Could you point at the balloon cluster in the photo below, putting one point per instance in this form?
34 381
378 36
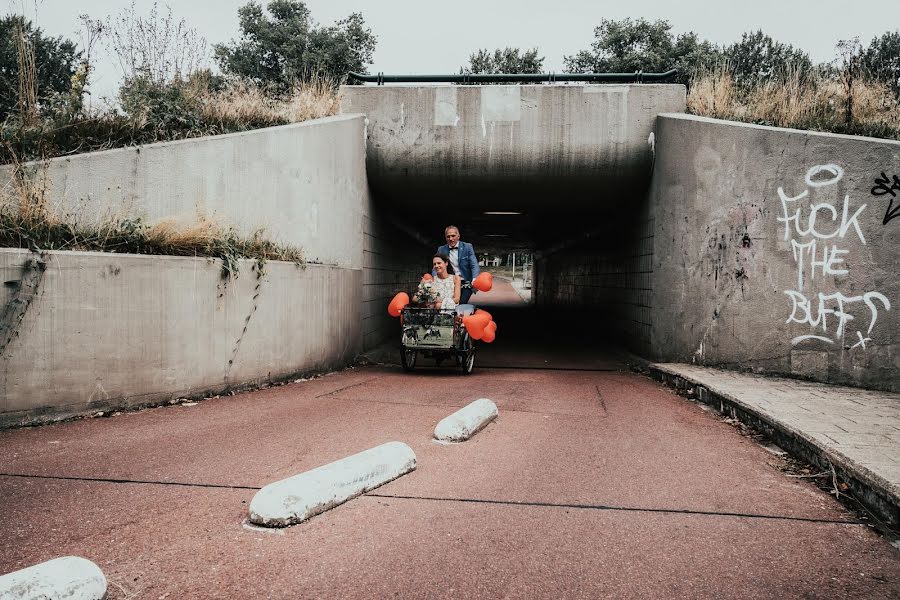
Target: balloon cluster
481 326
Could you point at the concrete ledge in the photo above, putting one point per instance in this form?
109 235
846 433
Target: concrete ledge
295 499
872 490
70 577
466 422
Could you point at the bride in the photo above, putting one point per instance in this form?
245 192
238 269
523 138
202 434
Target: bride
446 283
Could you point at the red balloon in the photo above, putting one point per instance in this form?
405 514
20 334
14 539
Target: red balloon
482 318
481 311
484 282
475 326
398 303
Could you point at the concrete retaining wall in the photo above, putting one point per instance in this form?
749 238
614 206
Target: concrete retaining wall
738 211
303 183
114 330
82 331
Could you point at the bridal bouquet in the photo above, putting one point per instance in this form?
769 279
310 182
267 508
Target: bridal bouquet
425 293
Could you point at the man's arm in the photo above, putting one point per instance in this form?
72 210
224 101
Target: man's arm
473 262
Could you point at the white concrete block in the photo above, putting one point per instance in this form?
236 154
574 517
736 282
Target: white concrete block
69 577
466 422
295 499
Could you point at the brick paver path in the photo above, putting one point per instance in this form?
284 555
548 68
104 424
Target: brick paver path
861 425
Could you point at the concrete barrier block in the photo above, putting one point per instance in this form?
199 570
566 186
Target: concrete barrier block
466 422
296 499
70 577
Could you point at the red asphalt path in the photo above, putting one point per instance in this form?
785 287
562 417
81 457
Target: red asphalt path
592 483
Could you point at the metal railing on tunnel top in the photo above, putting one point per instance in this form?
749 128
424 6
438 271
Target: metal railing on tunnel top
469 78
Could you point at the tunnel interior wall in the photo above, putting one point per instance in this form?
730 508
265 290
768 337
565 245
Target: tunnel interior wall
776 251
394 260
604 279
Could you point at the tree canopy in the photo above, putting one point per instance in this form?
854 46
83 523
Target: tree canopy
639 45
283 44
881 60
506 60
55 60
758 57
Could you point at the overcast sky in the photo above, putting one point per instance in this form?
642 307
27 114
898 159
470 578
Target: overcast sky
423 36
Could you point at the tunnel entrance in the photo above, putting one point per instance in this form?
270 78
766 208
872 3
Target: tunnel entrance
559 172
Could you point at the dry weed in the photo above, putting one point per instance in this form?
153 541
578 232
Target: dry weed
27 222
242 106
713 93
313 99
798 100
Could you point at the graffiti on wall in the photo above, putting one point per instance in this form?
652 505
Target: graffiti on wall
820 233
883 187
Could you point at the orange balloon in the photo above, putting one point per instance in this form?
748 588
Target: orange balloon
482 318
398 303
474 326
427 277
492 327
481 311
488 336
484 282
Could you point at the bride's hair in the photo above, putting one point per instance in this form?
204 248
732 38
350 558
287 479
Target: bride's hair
446 259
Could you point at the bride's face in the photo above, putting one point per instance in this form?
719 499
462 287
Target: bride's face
440 267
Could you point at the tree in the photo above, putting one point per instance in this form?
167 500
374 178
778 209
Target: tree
881 60
286 45
55 60
626 46
757 57
507 60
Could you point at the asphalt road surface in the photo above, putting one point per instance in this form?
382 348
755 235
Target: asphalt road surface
594 482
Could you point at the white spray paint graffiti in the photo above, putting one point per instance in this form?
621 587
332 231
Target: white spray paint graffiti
823 228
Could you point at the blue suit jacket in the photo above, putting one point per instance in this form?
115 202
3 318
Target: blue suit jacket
468 262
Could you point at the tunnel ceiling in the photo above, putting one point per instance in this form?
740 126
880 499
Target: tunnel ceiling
569 158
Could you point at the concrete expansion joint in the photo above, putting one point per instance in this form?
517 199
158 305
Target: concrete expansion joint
466 422
298 498
70 577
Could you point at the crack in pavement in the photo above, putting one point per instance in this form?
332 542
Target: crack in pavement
346 387
604 507
137 481
602 401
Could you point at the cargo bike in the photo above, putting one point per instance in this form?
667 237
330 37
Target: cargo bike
438 334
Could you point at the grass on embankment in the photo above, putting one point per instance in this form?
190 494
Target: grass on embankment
810 101
27 222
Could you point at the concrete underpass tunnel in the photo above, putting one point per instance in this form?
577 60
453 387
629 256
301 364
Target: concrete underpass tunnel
560 171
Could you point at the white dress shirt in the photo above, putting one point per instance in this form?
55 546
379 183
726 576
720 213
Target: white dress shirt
454 258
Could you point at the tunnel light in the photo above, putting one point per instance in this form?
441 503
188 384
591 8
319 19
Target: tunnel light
495 235
501 212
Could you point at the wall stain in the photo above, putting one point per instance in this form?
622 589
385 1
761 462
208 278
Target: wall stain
26 290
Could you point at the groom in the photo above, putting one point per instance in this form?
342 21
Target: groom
462 257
